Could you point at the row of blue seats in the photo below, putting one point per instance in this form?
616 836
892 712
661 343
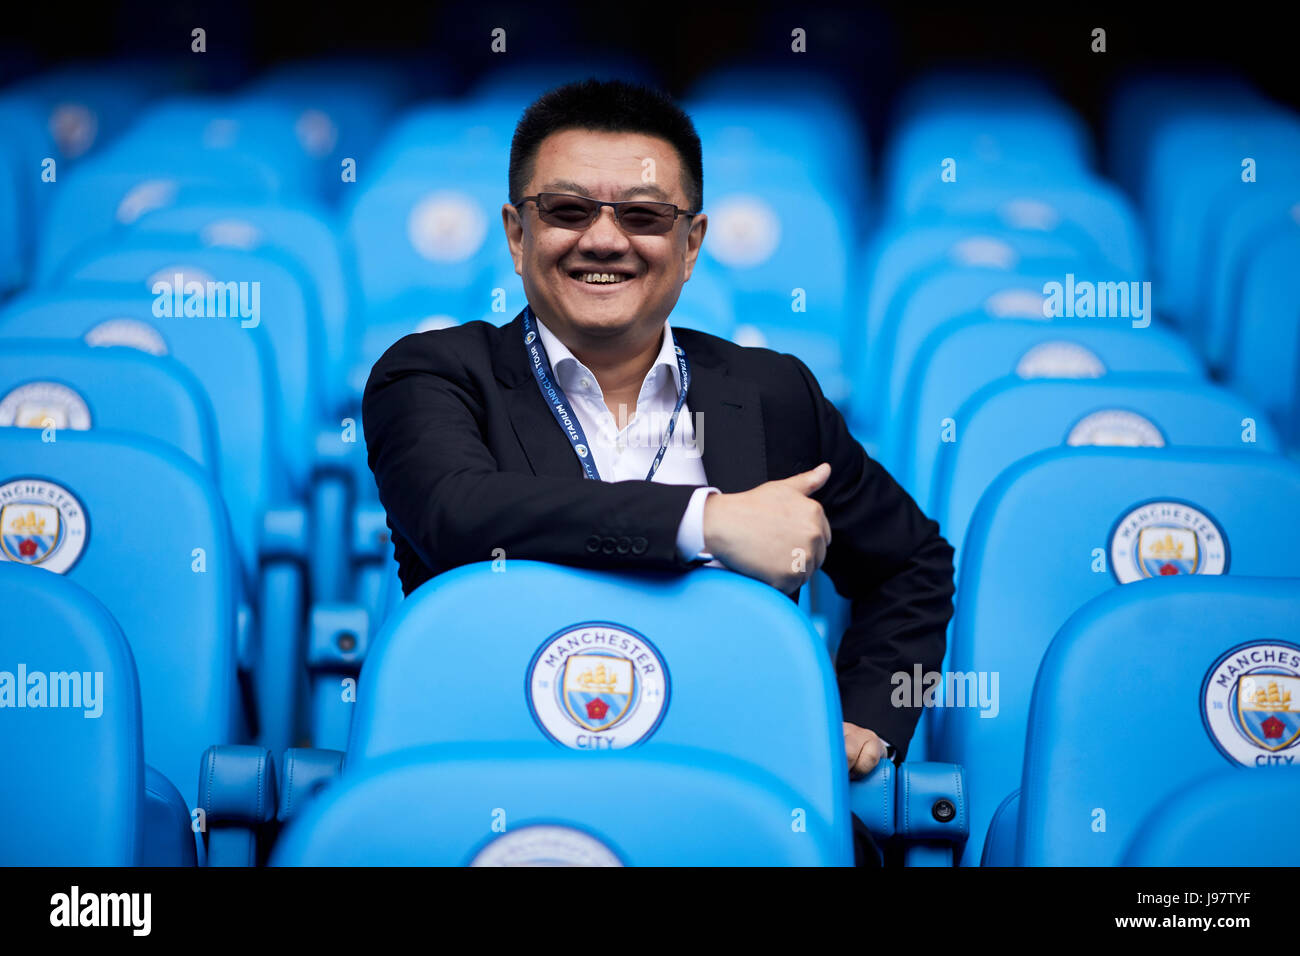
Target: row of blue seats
449 764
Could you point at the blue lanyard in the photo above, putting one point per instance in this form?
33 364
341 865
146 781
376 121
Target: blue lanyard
560 408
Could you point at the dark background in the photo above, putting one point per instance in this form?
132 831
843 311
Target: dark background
871 49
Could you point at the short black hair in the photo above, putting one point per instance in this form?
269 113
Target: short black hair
612 106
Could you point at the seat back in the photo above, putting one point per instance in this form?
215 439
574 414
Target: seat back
1063 526
532 805
74 792
143 529
590 660
1011 419
246 290
1206 667
962 356
58 384
234 366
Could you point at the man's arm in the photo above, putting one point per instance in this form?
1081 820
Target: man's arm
890 561
444 493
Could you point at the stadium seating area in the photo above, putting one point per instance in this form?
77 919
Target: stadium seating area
1081 357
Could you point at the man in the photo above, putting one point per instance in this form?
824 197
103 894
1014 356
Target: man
483 437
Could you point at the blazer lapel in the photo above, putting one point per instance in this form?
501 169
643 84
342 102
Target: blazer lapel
545 445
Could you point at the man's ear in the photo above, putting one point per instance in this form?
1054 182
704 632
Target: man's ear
514 227
694 240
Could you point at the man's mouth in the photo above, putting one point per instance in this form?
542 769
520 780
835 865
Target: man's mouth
591 277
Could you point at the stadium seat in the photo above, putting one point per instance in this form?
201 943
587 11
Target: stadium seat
53 384
141 527
1011 419
1263 360
679 672
1063 526
1208 663
964 355
529 804
1216 822
75 795
299 231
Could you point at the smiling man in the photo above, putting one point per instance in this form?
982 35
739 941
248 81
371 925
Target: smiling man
591 432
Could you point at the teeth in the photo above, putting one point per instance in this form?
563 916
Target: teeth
602 277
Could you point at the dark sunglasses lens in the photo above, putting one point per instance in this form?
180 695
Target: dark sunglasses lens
569 212
647 219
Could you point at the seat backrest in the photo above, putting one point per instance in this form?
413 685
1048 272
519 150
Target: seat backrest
1204 667
532 805
234 366
143 529
1264 351
1011 419
1216 822
962 356
590 660
299 230
1063 526
70 747
58 384
248 290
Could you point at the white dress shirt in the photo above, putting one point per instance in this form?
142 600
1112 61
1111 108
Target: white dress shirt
625 448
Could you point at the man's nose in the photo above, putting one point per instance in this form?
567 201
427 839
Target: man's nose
605 234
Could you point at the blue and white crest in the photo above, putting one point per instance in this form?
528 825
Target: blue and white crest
597 686
41 524
1250 703
1165 539
546 844
44 405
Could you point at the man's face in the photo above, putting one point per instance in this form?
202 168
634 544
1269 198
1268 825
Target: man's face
553 260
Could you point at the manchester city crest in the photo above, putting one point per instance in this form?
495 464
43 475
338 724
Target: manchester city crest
1166 538
1116 427
1250 703
598 686
131 333
44 405
546 845
1060 359
41 523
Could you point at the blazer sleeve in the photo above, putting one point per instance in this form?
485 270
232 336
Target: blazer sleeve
447 496
889 560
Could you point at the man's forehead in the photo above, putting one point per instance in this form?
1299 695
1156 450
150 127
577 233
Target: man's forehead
603 164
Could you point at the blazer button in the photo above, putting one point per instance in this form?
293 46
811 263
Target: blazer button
608 545
593 543
624 545
639 545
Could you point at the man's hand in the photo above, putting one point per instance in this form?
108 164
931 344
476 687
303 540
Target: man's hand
863 748
775 532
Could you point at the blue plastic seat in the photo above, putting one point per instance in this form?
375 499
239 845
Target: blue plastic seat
301 232
1011 419
1063 526
531 805
75 793
142 528
1202 662
56 384
962 356
1263 358
1242 226
1197 161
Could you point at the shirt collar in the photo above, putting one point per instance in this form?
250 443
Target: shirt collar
561 358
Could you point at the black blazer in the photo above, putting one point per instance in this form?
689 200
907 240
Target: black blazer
468 458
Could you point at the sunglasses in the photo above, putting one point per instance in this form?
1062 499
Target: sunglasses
636 217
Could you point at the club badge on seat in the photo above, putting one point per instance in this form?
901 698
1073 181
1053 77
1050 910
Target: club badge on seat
41 523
